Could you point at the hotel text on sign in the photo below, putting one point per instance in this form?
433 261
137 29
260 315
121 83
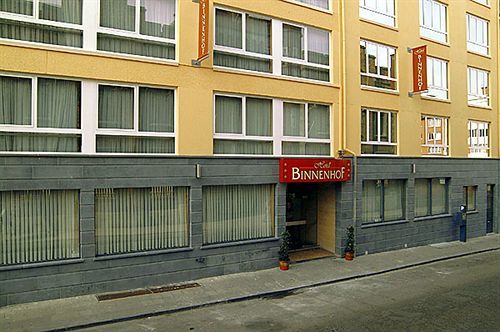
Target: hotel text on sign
314 170
203 30
419 68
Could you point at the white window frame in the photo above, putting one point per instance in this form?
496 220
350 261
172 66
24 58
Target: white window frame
478 139
378 75
430 144
379 142
483 2
136 33
435 67
134 132
33 127
426 27
305 4
473 44
476 94
385 16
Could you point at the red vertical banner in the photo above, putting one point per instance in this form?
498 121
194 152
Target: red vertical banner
203 29
419 68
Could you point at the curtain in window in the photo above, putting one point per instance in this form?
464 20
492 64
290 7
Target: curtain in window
362 56
157 18
38 226
118 14
134 144
439 193
363 125
294 119
371 201
222 146
393 200
228 30
303 71
384 127
258 35
116 107
69 11
140 47
237 212
319 121
130 220
24 7
293 43
305 148
228 117
373 130
30 142
58 103
242 62
259 117
156 110
15 101
318 46
394 127
316 3
421 197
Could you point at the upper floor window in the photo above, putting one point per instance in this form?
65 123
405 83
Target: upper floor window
478 87
484 2
380 11
478 140
39 115
138 27
477 35
433 20
378 65
434 135
437 78
378 132
42 21
323 4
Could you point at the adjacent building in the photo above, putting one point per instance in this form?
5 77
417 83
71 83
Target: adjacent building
127 161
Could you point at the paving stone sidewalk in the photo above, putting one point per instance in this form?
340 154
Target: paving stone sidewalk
86 311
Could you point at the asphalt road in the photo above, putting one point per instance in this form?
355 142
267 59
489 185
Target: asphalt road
456 295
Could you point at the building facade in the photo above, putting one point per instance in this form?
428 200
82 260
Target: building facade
126 162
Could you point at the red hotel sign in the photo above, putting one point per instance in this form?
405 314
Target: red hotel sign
419 68
314 170
203 29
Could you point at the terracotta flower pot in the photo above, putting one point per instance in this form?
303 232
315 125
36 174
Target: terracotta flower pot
349 256
284 265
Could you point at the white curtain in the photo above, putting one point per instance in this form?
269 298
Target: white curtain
15 101
319 121
318 46
259 117
130 220
371 201
38 226
156 110
157 18
294 119
237 212
317 3
228 115
393 200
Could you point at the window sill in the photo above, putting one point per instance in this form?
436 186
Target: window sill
447 101
481 107
41 264
487 56
141 253
382 25
237 243
437 216
374 89
383 223
435 41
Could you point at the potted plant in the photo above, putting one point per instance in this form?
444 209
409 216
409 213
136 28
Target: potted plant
284 249
349 244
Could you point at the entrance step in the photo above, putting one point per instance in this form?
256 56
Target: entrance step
308 255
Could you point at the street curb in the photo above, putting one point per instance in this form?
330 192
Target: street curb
274 293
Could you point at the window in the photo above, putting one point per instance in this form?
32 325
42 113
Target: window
478 139
237 213
383 200
306 52
39 226
380 11
378 65
39 115
469 198
243 125
141 219
242 41
306 129
431 197
484 2
433 20
139 27
478 87
135 120
434 135
477 35
42 21
378 132
323 4
437 78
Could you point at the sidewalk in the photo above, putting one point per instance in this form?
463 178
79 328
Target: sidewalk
85 311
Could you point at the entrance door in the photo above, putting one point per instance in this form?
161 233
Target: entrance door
489 208
301 215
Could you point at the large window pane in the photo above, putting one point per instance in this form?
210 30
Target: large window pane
439 198
228 29
259 117
157 18
156 110
293 41
141 219
372 201
228 115
318 46
118 14
258 35
116 107
293 119
237 212
58 103
393 200
24 7
319 121
38 226
15 101
68 11
421 197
